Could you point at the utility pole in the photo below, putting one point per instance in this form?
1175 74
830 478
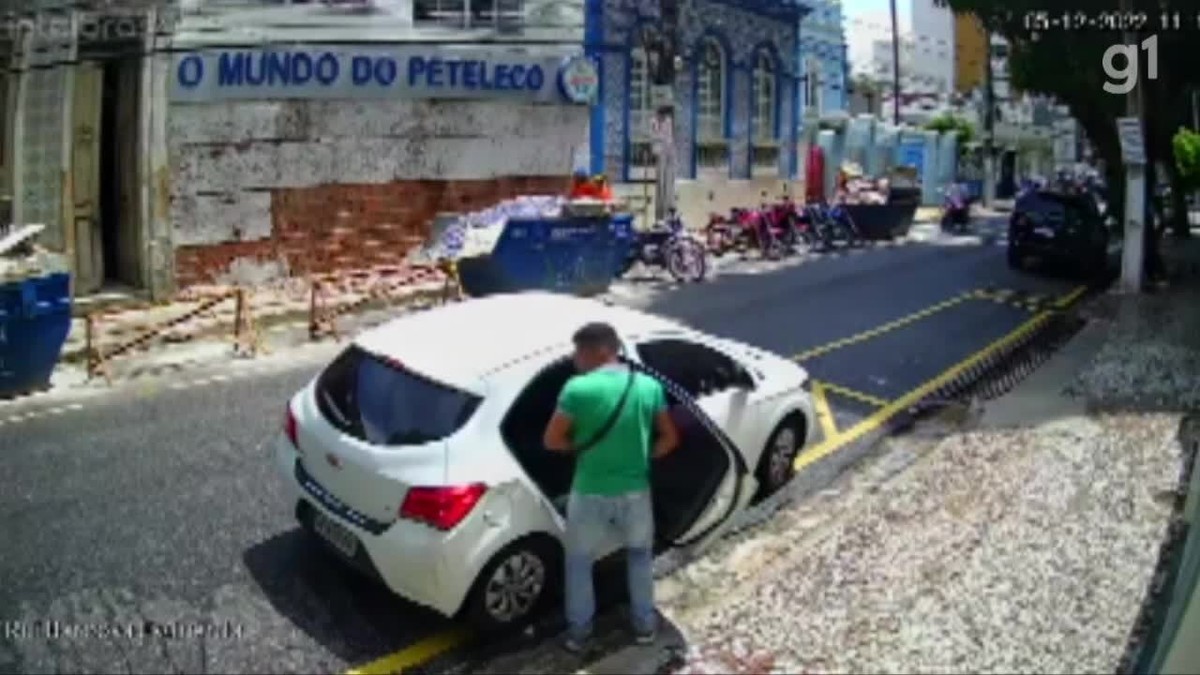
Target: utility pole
1132 134
665 57
989 125
895 66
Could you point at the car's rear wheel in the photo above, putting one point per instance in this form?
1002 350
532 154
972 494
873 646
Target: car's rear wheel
777 465
515 585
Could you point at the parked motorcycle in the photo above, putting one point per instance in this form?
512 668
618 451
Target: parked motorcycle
768 230
721 234
956 209
668 245
793 231
831 225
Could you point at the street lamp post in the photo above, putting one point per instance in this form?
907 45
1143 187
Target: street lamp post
664 57
989 127
895 66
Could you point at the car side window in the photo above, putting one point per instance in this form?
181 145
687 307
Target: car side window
699 369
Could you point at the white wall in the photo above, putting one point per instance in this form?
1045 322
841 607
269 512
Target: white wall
227 157
920 71
933 28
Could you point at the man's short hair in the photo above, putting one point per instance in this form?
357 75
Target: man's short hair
597 335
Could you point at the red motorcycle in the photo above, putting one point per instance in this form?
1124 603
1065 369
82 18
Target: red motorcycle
745 229
721 234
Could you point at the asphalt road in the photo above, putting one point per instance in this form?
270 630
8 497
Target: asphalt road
148 528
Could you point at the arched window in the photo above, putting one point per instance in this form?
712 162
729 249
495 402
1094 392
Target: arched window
812 88
641 107
764 98
711 145
764 149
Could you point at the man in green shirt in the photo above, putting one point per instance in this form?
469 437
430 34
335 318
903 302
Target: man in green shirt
608 415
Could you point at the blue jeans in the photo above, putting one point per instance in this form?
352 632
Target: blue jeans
591 520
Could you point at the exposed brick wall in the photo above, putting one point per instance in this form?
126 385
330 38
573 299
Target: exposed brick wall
330 227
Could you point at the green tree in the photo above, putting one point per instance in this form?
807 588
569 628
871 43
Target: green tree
1068 66
1187 158
949 122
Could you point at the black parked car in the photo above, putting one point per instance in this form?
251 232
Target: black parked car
1061 229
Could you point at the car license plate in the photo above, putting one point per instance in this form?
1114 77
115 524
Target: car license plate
339 537
1044 232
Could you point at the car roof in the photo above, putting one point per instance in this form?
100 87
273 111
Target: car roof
461 343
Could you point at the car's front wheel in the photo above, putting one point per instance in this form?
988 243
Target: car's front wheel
515 585
777 465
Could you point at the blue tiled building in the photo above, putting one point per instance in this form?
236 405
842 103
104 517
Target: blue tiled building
737 96
823 59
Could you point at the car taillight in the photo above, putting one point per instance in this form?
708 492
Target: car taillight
441 507
289 428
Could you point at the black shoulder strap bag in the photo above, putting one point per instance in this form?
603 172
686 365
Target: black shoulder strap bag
612 418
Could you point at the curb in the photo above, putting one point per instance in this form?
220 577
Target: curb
295 317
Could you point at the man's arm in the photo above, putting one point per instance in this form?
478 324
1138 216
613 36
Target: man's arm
667 436
557 436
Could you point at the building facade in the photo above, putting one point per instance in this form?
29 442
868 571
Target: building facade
933 30
824 59
736 97
920 73
970 53
163 152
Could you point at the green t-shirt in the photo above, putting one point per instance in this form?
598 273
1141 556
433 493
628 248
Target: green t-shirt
619 462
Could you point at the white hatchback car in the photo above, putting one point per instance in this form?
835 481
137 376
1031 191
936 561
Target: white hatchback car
417 454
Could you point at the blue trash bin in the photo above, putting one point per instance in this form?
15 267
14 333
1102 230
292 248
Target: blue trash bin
574 255
35 317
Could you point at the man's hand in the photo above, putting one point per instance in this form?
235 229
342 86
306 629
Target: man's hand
668 437
557 436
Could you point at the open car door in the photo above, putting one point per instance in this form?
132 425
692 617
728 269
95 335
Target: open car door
704 483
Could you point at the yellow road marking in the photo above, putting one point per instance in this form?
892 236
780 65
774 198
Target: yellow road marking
414 654
854 394
1070 298
824 412
1031 302
880 417
884 328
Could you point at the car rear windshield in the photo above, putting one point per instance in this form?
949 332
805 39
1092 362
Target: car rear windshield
384 403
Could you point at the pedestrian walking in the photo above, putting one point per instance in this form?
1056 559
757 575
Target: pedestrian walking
614 420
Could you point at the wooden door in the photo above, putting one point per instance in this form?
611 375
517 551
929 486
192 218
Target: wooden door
86 236
128 228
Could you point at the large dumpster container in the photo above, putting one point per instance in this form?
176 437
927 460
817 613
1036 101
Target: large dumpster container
571 254
881 222
35 317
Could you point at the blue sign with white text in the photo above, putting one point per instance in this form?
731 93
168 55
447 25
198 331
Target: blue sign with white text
409 71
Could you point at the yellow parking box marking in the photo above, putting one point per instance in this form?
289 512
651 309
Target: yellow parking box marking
1030 302
415 654
880 417
824 412
859 396
1070 298
884 328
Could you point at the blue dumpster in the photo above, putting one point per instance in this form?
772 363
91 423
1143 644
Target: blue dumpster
35 317
574 255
